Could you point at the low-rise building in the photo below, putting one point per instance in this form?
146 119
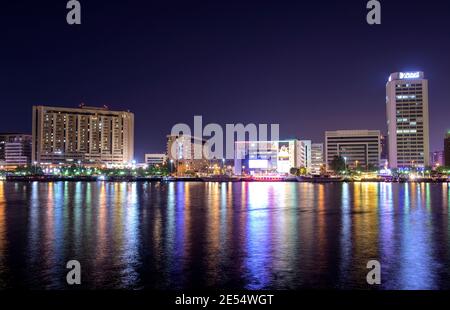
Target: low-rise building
317 158
271 157
155 159
15 149
359 148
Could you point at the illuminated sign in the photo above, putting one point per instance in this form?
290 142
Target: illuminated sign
409 75
283 151
258 164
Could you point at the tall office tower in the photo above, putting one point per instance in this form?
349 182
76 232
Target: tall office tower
359 148
317 160
88 135
447 150
15 149
407 120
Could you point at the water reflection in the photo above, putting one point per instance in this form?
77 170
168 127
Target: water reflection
415 254
258 232
228 235
3 240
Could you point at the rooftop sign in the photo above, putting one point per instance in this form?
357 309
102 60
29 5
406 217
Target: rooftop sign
409 75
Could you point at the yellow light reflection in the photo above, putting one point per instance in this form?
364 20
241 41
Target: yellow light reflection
2 224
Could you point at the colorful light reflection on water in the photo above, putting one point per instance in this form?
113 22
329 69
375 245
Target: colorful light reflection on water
224 235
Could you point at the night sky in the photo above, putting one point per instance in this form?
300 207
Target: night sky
309 65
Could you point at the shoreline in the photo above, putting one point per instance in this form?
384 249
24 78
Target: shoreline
48 179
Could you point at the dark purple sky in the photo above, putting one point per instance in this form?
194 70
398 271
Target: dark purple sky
309 66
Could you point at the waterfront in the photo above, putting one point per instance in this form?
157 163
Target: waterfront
256 235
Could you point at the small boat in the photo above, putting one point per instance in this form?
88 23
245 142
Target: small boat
267 178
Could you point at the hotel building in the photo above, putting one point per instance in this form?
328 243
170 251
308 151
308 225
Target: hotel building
407 120
359 148
87 135
317 160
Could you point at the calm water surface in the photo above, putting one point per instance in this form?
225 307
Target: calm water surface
224 235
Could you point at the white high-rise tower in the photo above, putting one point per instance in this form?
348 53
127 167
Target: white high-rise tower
407 120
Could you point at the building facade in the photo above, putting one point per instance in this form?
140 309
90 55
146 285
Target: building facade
317 158
359 148
155 159
384 158
5 138
407 120
15 149
87 135
271 157
304 154
447 150
187 154
437 158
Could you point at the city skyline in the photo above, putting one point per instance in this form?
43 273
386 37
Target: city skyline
72 113
239 152
172 63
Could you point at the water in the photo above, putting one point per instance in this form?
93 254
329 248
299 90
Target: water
224 235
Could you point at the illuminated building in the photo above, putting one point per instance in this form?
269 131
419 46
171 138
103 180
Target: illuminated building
359 148
437 158
304 154
87 135
317 160
15 149
447 150
5 138
182 157
271 157
155 159
407 120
